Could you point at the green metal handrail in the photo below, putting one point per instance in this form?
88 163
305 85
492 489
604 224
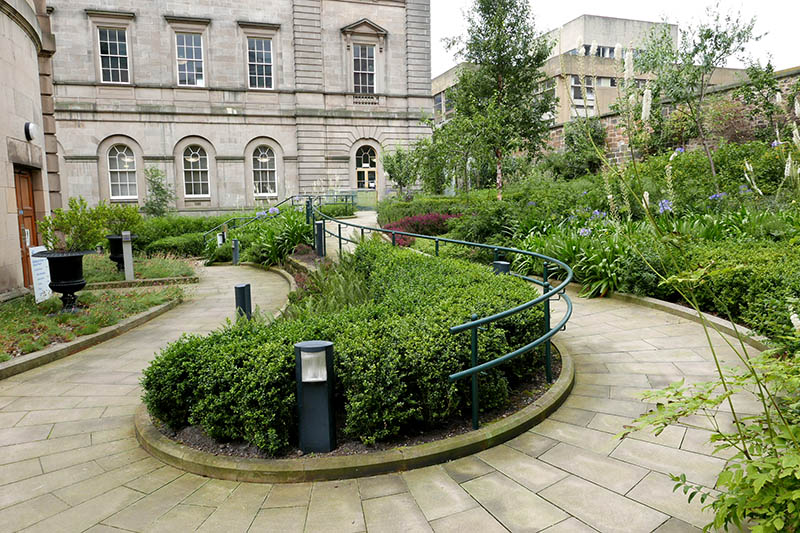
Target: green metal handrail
475 323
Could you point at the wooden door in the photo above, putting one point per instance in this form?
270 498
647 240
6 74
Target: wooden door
26 213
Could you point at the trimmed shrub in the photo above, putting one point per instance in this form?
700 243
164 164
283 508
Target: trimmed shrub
338 210
393 353
392 210
428 224
186 245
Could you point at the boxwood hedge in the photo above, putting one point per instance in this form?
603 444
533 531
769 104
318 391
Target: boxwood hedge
393 355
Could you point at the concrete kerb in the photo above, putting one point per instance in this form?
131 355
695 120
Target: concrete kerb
312 468
48 355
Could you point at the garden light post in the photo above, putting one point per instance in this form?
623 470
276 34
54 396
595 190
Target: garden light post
315 382
501 267
319 237
235 252
244 306
127 255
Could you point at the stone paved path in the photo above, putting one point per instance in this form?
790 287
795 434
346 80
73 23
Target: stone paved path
69 460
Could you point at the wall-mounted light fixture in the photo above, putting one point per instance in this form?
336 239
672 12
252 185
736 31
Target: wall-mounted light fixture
31 131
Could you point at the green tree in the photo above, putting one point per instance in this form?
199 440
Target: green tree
498 96
159 195
759 94
683 72
402 167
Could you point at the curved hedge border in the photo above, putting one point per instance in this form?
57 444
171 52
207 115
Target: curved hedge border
352 466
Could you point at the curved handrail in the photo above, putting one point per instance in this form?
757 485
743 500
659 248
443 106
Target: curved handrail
474 324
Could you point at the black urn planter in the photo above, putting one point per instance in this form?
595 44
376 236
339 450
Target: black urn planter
66 275
115 250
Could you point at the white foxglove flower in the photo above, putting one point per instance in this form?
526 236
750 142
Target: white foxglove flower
778 99
796 136
610 197
629 65
646 200
579 46
797 106
632 100
795 321
593 48
789 164
647 102
618 52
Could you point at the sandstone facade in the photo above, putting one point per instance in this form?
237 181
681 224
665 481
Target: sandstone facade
24 43
308 120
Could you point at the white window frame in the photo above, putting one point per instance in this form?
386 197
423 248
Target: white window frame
112 20
256 168
373 167
271 64
374 72
129 172
207 171
124 30
202 59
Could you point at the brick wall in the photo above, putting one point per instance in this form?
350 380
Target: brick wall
616 140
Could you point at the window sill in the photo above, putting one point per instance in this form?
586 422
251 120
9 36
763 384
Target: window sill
129 200
197 198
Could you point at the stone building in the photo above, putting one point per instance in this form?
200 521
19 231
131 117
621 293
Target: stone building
240 102
27 141
567 72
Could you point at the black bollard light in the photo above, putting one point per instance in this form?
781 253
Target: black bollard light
319 237
501 267
244 306
315 381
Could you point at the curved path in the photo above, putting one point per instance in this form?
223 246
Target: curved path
69 460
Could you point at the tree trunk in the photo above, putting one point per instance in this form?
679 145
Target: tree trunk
499 156
707 150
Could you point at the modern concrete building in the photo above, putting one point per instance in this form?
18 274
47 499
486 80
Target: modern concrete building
565 68
240 102
26 136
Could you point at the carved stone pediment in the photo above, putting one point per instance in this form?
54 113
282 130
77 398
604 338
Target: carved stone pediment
364 27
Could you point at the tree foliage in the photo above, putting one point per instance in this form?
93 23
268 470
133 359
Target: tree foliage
497 99
683 72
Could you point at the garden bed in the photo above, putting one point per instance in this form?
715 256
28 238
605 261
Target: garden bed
520 398
100 269
26 327
387 311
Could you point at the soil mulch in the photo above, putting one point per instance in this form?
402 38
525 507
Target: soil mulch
521 397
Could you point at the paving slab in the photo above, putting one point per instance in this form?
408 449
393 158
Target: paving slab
283 519
436 492
698 468
601 508
336 507
600 469
517 508
398 513
475 519
531 473
378 486
655 491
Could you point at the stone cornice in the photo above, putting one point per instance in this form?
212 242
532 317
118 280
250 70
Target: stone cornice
258 25
177 19
129 15
22 14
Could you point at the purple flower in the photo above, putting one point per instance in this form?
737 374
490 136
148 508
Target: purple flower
718 196
680 149
598 214
584 193
274 211
664 206
775 144
585 232
261 214
531 203
744 189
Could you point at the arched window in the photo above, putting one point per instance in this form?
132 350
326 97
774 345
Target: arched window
366 167
195 171
122 173
265 179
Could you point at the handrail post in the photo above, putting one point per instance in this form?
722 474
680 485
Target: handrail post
362 233
496 254
548 357
437 247
394 239
309 210
340 239
474 360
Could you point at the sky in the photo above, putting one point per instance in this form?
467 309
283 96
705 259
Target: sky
779 21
